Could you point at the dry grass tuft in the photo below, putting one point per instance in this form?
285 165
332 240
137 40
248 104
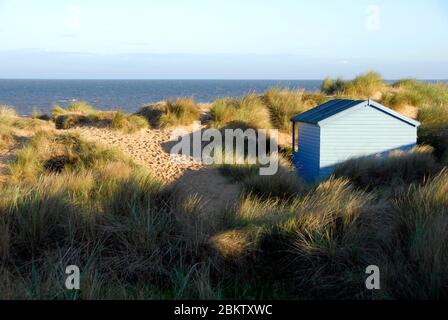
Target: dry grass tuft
182 112
283 104
6 137
234 244
128 124
49 152
77 114
249 110
367 85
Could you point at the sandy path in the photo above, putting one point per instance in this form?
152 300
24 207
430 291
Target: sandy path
214 190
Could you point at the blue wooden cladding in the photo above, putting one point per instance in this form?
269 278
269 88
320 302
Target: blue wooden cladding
341 129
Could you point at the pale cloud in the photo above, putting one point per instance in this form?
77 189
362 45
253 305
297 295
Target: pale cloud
73 18
373 21
69 35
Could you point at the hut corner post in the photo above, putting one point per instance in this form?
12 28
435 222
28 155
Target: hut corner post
294 151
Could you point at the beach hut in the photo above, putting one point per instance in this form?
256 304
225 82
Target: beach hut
343 129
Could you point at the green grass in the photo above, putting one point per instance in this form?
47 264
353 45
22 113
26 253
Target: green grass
182 112
128 124
431 99
48 152
223 112
331 87
6 136
283 104
77 114
432 103
249 111
7 113
9 118
364 86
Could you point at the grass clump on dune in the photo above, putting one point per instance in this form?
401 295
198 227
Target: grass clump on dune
331 87
7 114
6 134
249 110
6 137
367 85
222 112
48 152
9 118
128 124
77 114
283 104
182 112
431 100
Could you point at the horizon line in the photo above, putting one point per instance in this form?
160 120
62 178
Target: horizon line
210 79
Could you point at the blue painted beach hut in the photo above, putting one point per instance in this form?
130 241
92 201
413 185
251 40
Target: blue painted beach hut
343 129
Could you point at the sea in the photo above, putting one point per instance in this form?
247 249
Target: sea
29 96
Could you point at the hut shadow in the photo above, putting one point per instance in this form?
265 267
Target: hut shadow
206 195
194 144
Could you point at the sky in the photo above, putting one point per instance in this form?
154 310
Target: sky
223 39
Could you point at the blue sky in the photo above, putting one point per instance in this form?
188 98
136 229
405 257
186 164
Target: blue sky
223 39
